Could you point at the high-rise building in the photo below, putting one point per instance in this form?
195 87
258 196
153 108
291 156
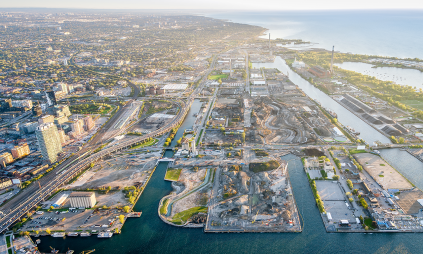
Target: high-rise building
46 119
77 126
20 151
61 119
5 104
51 98
88 123
62 136
36 110
193 148
27 128
62 87
5 158
48 141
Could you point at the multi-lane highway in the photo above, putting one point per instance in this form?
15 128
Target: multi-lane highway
67 170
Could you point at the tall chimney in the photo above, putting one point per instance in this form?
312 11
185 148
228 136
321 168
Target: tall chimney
331 61
270 52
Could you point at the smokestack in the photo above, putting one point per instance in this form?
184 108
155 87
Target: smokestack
270 52
230 69
331 61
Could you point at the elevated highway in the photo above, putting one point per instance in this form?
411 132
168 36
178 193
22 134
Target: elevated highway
46 186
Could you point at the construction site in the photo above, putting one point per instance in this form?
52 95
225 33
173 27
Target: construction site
253 198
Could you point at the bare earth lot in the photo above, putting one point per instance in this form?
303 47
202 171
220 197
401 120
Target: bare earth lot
382 172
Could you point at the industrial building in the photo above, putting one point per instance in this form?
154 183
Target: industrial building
48 141
319 72
82 199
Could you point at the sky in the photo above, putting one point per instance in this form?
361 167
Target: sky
218 4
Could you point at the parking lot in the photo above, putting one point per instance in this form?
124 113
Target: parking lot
329 190
73 220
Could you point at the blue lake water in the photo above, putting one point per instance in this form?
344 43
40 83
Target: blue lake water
373 32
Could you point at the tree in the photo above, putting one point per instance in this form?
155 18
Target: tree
37 232
335 177
126 209
361 219
351 200
109 188
350 184
48 231
122 218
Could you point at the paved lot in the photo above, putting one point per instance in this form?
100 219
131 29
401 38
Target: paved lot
329 190
3 245
408 201
339 211
382 172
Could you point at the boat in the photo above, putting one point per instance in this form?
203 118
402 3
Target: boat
106 234
73 234
70 252
38 241
85 234
58 234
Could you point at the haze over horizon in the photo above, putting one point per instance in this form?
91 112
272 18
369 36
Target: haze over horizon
264 5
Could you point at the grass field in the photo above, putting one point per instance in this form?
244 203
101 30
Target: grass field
149 143
163 209
185 215
90 109
173 174
413 103
216 77
263 166
354 151
8 241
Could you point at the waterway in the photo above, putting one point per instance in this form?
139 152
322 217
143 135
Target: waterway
368 133
406 164
149 234
188 122
409 77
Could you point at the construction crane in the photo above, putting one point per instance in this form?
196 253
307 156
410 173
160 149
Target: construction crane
255 217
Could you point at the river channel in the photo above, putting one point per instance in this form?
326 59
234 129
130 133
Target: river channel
148 234
347 118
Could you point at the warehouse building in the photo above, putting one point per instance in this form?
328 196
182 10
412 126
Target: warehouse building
82 199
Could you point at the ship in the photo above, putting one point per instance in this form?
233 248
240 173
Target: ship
106 234
353 131
58 234
85 234
73 234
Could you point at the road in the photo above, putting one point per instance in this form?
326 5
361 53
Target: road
38 191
